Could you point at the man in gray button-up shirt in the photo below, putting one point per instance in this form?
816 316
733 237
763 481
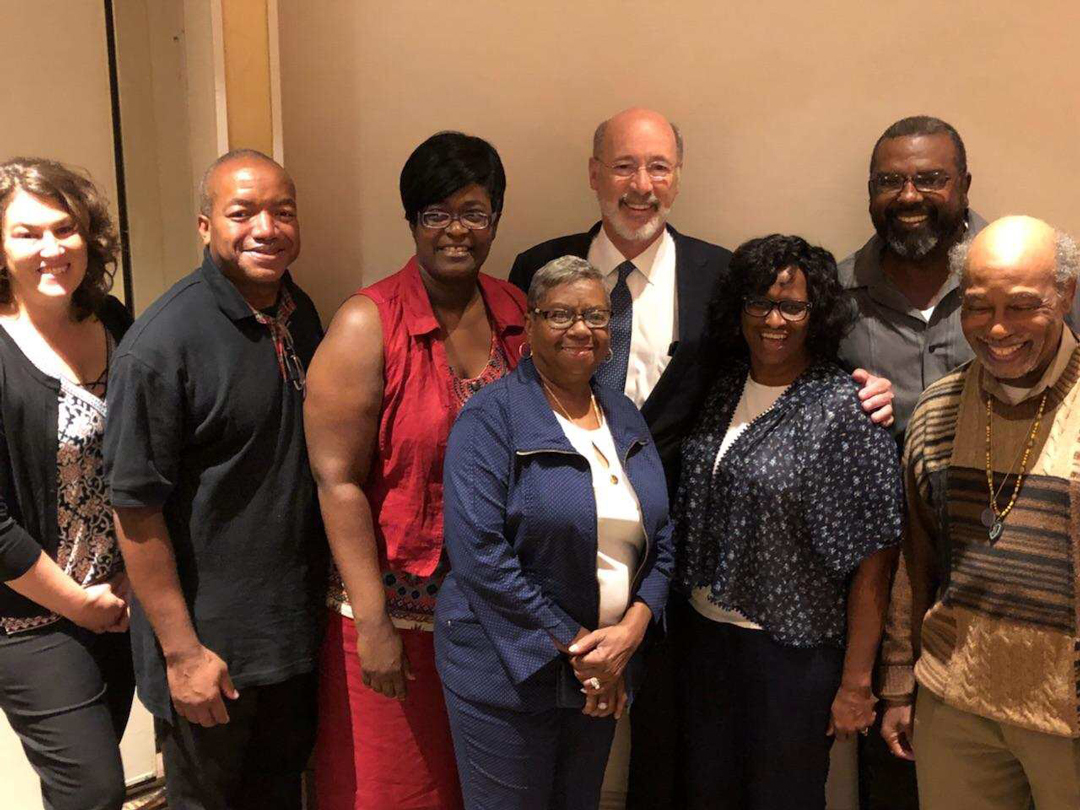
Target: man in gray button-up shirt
908 325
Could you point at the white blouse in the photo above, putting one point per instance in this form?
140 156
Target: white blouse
620 532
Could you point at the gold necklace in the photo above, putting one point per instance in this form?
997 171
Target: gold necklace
993 518
599 423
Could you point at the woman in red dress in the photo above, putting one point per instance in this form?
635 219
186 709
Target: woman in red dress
399 360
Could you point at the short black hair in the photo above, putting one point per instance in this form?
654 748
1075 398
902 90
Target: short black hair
446 163
754 268
924 125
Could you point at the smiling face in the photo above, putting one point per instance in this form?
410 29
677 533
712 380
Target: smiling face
1012 311
44 254
568 357
778 346
914 223
455 252
252 230
635 208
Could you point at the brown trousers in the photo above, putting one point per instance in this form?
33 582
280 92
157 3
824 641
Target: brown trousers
968 762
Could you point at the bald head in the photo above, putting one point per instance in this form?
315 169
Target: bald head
635 119
1018 243
231 159
1018 280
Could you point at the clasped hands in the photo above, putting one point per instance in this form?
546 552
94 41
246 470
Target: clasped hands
599 658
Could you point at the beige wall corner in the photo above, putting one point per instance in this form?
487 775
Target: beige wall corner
59 108
172 96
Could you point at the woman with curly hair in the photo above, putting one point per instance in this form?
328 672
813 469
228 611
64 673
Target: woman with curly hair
787 519
66 678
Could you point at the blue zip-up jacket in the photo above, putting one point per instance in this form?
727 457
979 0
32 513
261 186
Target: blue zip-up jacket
520 531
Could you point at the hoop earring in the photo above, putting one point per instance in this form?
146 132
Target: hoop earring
522 349
610 354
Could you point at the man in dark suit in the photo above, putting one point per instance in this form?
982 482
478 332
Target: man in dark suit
660 283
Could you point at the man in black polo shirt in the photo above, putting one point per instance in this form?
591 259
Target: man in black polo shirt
215 505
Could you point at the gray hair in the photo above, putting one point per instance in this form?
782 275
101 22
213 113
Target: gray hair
563 270
598 140
206 199
1066 265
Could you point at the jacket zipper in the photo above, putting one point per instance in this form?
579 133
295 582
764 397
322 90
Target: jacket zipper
596 531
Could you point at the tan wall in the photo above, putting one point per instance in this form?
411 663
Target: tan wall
780 103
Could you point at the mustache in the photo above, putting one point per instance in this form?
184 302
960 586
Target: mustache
634 199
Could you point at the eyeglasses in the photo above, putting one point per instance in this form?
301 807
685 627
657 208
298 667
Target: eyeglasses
473 220
925 182
658 170
294 369
790 310
565 318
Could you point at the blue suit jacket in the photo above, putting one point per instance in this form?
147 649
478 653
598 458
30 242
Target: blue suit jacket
520 531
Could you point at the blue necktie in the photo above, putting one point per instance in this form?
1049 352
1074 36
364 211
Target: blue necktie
613 372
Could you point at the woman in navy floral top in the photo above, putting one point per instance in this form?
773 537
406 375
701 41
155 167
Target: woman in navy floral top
788 517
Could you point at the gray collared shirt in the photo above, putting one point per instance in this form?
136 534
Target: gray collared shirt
891 338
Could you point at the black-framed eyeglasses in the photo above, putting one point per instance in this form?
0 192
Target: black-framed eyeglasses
925 182
595 318
294 368
790 310
658 170
473 220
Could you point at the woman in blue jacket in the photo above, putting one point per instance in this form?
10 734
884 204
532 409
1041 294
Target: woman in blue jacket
557 529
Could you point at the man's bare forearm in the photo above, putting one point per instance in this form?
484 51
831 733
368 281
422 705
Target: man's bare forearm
151 566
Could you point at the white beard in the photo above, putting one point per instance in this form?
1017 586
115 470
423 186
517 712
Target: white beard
643 233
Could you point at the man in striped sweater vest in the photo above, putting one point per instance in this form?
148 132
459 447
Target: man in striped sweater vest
984 615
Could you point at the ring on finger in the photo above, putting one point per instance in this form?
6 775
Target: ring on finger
864 731
593 683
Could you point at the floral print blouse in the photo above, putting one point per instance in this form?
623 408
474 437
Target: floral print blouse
87 551
808 491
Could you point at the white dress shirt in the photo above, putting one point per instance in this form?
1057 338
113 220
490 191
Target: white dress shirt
652 291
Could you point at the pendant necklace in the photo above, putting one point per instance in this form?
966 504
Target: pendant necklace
599 424
992 517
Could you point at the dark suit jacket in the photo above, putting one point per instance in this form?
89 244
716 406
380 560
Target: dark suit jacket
670 408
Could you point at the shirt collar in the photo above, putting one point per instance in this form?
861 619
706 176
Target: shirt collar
505 313
228 298
609 257
1011 395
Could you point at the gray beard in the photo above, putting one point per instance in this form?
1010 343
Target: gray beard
916 246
